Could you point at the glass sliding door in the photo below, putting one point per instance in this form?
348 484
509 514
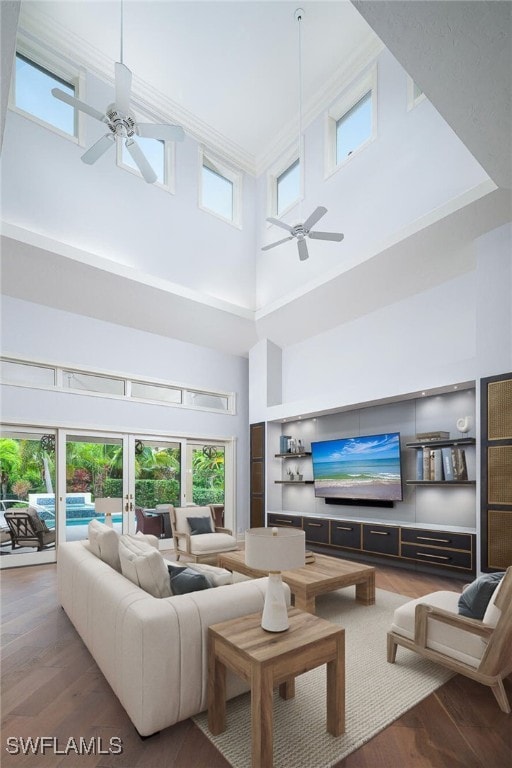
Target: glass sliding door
156 473
206 477
95 482
28 481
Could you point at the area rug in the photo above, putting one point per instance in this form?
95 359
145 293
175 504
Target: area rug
377 693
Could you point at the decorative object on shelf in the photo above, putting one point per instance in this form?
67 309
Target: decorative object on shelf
291 475
275 550
284 443
302 230
439 435
300 446
121 123
463 424
298 473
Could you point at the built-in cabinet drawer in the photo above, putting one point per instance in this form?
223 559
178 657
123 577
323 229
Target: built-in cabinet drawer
346 534
283 520
383 539
316 530
428 538
438 556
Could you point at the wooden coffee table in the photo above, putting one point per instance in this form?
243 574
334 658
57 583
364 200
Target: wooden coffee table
270 659
324 575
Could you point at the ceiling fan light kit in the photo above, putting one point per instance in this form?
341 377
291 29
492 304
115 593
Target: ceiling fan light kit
301 231
121 123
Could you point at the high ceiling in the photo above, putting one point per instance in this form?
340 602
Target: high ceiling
228 71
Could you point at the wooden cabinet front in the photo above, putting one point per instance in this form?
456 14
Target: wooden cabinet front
346 534
281 519
316 530
381 539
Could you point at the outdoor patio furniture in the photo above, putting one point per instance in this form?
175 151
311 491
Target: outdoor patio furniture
27 529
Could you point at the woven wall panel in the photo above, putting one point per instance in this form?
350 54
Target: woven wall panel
500 410
499 474
499 539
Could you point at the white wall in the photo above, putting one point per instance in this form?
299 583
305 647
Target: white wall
36 332
415 166
113 213
459 331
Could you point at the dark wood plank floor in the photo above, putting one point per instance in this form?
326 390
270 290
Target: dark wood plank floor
52 687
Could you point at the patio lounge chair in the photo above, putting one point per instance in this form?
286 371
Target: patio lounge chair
27 529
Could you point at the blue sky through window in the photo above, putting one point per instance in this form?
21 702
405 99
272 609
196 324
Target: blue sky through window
288 187
217 193
354 128
33 95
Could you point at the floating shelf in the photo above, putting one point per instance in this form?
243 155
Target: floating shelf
292 455
441 443
294 482
444 483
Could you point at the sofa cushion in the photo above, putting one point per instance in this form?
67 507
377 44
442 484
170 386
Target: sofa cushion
200 525
444 638
183 513
104 543
211 543
218 576
476 596
184 580
143 565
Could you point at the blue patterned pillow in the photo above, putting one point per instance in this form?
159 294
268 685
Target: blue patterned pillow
475 598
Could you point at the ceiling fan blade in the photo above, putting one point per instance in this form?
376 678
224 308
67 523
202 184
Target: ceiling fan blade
303 249
280 224
81 105
162 132
315 216
98 149
123 87
327 236
140 159
273 245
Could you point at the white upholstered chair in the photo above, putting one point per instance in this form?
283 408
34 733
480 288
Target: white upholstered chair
481 650
196 535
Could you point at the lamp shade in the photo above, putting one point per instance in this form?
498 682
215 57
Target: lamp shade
275 549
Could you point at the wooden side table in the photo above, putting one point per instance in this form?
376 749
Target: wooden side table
266 660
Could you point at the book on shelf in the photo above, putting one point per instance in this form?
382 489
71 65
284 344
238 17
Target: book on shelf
284 443
447 463
419 465
460 470
439 435
438 465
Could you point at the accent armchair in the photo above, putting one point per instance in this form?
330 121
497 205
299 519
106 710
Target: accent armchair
27 529
196 535
478 649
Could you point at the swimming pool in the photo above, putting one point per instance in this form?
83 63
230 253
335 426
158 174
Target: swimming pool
86 520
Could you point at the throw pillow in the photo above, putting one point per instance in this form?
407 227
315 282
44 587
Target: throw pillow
217 576
475 598
200 525
143 565
185 580
104 543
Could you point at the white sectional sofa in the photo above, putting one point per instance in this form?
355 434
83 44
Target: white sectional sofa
152 651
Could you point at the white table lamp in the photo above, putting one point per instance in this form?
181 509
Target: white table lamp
108 506
275 550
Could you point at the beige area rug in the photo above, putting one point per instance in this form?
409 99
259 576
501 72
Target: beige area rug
377 693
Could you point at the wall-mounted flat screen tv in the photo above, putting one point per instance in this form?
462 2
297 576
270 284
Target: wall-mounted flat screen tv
359 468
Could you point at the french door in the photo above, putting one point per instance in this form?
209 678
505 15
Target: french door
73 476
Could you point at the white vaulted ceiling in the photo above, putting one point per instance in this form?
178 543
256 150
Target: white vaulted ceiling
227 71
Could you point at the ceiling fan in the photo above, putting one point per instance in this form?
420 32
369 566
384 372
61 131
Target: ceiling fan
121 123
303 230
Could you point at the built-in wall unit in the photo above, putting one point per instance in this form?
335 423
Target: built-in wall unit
393 482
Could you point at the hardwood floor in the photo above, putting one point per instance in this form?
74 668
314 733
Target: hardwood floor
52 687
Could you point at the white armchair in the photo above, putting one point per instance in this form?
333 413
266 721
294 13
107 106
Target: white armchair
481 650
196 535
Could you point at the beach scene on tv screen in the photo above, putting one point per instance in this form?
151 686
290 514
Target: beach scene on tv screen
358 467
